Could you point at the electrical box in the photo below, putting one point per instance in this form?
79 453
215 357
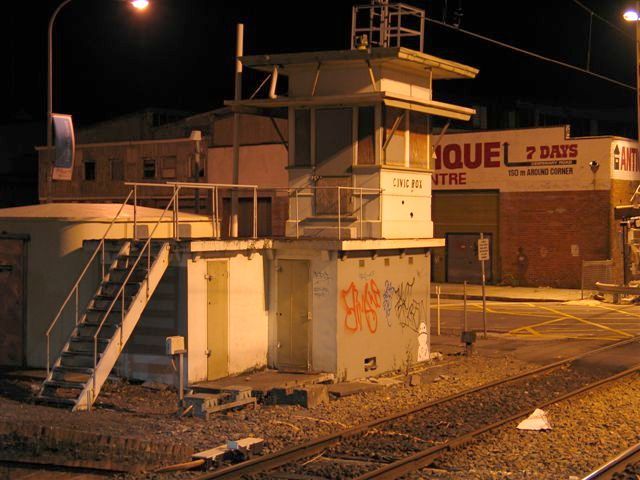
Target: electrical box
174 345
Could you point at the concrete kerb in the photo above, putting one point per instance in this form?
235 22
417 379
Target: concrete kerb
497 293
497 298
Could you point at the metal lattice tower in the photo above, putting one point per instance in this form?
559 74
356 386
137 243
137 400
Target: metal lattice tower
381 24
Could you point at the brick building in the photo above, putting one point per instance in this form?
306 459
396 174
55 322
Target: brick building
543 198
168 151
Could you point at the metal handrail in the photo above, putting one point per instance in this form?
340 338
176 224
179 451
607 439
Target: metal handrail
358 192
75 287
147 247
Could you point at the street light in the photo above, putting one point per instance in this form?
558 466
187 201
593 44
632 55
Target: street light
137 4
633 16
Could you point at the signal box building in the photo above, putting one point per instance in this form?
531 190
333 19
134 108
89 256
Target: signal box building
345 290
545 200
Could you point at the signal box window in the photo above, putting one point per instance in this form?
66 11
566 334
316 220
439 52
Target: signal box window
117 169
148 168
89 169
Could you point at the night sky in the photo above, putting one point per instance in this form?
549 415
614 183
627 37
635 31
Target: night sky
110 59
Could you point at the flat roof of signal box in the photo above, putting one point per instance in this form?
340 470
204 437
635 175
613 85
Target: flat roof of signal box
402 57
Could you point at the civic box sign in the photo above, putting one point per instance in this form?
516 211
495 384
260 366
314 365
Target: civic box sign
399 182
541 159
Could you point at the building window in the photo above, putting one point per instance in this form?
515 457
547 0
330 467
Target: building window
394 143
302 153
117 169
366 136
169 167
148 168
89 169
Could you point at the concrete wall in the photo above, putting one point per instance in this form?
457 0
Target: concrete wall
56 259
322 304
383 313
248 317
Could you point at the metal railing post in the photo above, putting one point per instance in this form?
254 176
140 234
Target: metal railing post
176 208
173 217
77 303
255 212
122 317
48 354
135 212
339 217
297 216
361 214
102 259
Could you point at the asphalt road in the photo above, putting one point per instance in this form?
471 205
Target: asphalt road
586 319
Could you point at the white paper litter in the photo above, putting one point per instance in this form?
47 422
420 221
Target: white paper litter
536 421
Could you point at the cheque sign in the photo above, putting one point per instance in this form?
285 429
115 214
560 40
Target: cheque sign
519 160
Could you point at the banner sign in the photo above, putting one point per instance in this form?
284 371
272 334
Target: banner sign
65 146
537 159
624 160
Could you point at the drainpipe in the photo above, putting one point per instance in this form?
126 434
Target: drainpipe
236 131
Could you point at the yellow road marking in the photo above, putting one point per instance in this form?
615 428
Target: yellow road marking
620 310
531 327
604 327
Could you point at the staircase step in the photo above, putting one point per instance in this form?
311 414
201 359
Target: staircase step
64 384
72 370
52 399
105 297
77 359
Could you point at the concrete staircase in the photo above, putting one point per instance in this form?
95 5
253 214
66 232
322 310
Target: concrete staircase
106 324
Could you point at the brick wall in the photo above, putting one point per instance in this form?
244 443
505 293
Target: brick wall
538 230
621 192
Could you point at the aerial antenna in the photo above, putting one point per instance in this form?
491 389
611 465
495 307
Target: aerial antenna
384 24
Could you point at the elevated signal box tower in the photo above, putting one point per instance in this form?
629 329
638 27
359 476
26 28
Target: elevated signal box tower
360 127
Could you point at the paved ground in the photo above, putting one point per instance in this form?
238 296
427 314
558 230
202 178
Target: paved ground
581 320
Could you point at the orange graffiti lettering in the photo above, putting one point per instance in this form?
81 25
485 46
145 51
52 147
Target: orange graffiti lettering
359 309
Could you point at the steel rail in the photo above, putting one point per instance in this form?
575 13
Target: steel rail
425 457
615 465
317 445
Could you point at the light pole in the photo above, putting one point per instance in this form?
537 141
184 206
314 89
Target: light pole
633 16
137 4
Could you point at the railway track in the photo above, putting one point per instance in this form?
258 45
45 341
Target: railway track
406 441
18 470
625 466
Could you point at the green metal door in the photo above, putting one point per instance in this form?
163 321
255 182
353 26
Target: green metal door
294 318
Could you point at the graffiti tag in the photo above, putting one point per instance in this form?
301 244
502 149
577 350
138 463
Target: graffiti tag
361 308
409 311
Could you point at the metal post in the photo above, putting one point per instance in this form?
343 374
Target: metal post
255 212
102 258
236 131
438 287
48 355
50 152
339 217
638 71
173 217
464 296
484 297
122 317
77 287
135 212
176 207
361 214
297 217
181 381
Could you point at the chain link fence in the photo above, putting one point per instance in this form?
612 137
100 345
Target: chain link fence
595 271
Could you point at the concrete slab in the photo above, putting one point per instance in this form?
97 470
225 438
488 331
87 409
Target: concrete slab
309 397
347 389
264 381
